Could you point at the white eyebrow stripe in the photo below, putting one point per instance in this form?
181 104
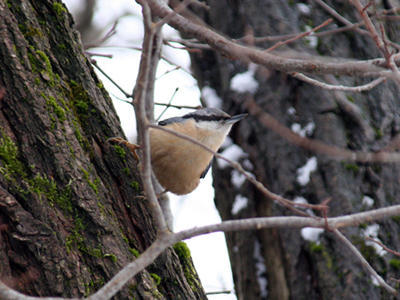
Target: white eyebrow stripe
209 125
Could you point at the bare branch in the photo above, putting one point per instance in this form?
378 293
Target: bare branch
294 222
178 106
129 271
168 105
219 292
181 48
181 6
317 146
194 43
285 202
99 42
140 49
168 239
299 36
98 54
382 245
317 34
94 63
165 241
189 43
349 25
325 86
140 110
378 41
339 17
365 263
7 293
168 71
229 48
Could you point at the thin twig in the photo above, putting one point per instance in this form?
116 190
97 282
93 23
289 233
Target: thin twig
168 105
179 106
99 42
219 292
292 222
299 36
163 57
120 99
98 54
230 49
358 89
378 40
94 63
365 263
317 34
168 71
189 43
285 202
181 48
175 11
383 246
339 17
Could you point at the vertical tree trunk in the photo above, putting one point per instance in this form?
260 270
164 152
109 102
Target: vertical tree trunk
296 268
71 211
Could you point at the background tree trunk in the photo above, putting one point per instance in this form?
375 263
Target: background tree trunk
296 268
70 215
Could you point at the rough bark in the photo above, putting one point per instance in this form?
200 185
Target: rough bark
295 268
71 211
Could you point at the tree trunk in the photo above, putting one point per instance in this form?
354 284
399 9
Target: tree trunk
294 267
71 211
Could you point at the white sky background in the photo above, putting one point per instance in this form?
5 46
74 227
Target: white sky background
197 209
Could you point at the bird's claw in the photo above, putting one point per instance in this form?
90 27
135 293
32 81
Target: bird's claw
121 141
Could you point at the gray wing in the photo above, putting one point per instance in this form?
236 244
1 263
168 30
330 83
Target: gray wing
170 121
206 170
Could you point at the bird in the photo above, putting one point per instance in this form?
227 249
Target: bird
179 164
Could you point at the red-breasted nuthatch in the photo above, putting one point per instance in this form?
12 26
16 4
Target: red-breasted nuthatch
179 164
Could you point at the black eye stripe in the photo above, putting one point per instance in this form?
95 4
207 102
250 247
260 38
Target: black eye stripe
205 118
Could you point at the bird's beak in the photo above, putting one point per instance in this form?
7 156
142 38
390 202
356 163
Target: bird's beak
236 118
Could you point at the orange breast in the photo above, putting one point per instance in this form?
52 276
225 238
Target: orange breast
178 163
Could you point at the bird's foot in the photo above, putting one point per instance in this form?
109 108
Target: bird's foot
157 195
121 141
162 193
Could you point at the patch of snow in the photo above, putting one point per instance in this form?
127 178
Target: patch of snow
304 8
302 200
305 131
210 97
239 204
372 231
233 153
260 270
367 201
245 82
374 280
311 234
228 142
312 39
248 165
237 178
291 111
303 173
